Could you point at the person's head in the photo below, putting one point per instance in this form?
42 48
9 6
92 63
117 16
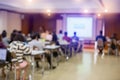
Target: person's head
65 33
54 33
60 31
20 32
4 34
19 37
35 36
74 33
14 31
101 32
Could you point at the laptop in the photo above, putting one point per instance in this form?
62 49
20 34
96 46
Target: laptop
3 55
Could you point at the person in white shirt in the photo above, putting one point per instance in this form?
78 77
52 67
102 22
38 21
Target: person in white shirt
49 37
35 42
43 35
60 35
39 45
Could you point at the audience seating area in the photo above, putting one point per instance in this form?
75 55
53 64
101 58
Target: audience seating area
47 56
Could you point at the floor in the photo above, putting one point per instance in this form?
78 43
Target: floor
84 66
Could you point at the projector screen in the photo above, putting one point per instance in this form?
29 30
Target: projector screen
82 25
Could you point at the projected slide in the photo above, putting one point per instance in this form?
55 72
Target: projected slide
82 25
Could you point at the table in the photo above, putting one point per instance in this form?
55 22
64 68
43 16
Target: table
47 42
51 48
66 45
34 53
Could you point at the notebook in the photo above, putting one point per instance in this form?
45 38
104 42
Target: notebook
3 55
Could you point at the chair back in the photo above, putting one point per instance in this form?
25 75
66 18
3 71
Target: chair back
100 42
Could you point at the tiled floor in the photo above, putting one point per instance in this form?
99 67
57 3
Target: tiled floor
84 66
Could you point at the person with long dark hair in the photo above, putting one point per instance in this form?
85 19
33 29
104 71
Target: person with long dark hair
13 34
39 45
18 47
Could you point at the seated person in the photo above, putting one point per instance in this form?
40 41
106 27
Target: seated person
46 35
66 38
55 38
60 35
69 47
5 40
100 39
35 42
113 48
75 41
49 36
18 47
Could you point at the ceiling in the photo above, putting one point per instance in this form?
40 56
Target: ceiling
61 6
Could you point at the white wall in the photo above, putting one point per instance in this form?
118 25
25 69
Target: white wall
98 26
59 25
3 21
13 22
9 21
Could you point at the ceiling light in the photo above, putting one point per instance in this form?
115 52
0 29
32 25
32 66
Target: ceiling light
77 0
105 10
86 11
30 0
99 15
48 10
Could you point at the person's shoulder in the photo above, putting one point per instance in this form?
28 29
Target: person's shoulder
33 41
77 37
72 37
30 42
97 36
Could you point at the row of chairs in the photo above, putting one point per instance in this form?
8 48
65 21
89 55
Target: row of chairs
9 65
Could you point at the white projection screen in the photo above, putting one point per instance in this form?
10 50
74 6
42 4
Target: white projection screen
82 25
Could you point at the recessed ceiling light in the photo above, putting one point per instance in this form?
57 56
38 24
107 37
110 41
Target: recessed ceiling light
98 14
48 10
86 11
30 0
105 10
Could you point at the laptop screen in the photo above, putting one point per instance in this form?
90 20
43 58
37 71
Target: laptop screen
3 54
